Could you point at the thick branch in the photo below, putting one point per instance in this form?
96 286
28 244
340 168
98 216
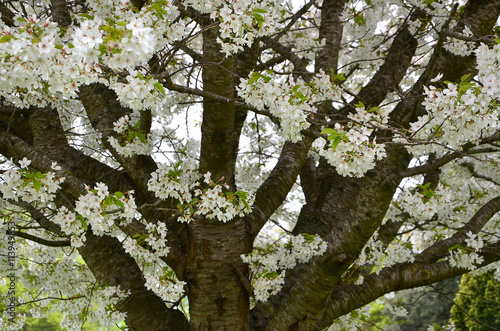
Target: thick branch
217 129
60 12
275 188
7 15
330 30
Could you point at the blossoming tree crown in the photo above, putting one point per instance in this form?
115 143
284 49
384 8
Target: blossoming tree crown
244 164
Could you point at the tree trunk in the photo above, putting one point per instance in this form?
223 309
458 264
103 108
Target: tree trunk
218 298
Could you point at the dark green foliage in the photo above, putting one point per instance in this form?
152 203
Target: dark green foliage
477 306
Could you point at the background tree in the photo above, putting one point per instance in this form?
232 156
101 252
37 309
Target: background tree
477 304
156 154
424 306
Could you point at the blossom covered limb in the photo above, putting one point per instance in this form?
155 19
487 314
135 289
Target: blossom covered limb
474 225
404 48
97 252
467 149
391 279
88 253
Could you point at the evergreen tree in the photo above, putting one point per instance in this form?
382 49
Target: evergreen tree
477 304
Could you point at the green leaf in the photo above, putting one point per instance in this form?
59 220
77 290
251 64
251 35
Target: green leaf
84 224
457 246
87 16
260 19
360 19
119 203
243 197
335 142
465 77
160 87
6 38
260 10
109 200
37 185
118 195
330 131
424 187
254 77
39 175
241 194
141 136
333 136
270 275
360 105
339 77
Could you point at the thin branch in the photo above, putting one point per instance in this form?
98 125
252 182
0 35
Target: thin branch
45 242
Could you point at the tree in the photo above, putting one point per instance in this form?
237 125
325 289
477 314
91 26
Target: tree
477 303
379 120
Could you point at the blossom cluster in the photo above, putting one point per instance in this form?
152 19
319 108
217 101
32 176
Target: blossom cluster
268 264
291 102
139 92
467 257
457 115
20 182
58 281
35 60
131 140
105 312
97 208
244 20
458 46
378 255
194 199
52 66
351 150
351 321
